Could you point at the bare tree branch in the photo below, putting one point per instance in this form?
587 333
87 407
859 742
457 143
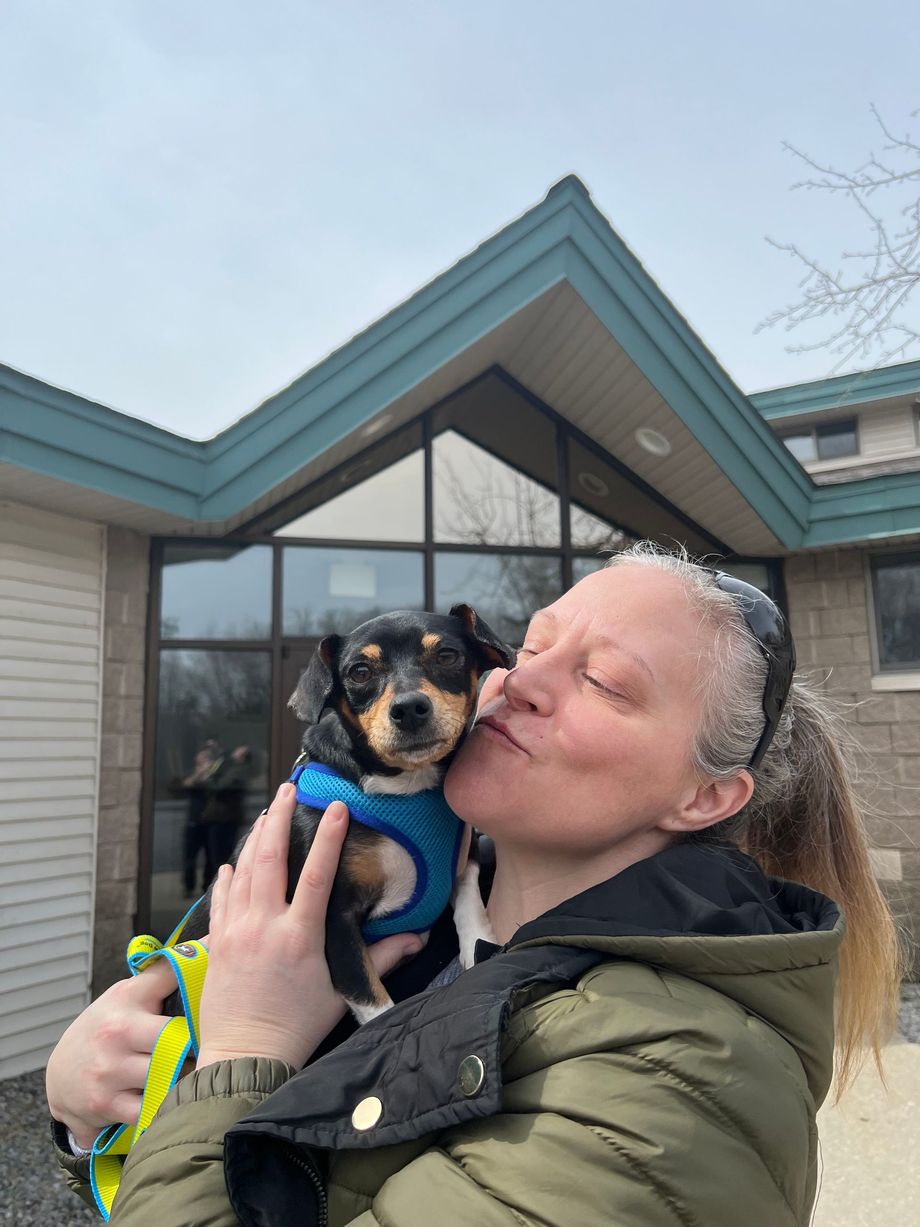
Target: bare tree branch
868 301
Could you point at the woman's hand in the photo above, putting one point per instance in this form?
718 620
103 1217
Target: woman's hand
268 991
96 1074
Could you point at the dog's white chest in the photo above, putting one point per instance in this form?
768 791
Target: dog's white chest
398 869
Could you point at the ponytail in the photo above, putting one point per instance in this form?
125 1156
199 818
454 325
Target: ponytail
811 831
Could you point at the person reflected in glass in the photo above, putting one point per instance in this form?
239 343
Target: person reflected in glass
196 834
225 787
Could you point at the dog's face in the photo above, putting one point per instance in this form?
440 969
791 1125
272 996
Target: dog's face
404 684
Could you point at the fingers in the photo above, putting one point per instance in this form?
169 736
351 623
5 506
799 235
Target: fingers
153 985
238 896
389 952
268 890
126 1107
220 892
132 1072
311 896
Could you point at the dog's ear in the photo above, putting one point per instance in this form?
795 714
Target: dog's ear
316 682
493 652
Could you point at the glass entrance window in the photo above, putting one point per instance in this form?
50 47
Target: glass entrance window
494 470
479 500
328 589
386 507
214 591
211 769
504 589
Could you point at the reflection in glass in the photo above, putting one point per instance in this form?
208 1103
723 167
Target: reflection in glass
756 573
216 592
210 772
897 610
480 500
587 566
837 439
327 589
390 506
802 446
589 532
505 589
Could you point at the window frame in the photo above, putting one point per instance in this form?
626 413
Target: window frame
813 430
882 672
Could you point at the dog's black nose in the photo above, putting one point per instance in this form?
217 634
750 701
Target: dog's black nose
410 711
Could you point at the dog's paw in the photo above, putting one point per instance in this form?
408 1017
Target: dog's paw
364 1013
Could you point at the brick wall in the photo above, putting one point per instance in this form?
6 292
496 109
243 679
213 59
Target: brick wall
127 579
830 622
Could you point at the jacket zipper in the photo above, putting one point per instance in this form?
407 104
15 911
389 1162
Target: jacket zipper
296 1159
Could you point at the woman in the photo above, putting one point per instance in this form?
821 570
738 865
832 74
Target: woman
651 1039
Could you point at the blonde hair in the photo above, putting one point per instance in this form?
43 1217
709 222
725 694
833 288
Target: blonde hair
802 821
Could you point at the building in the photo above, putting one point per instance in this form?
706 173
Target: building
540 401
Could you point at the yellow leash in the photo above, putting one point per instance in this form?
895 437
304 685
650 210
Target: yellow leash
178 1038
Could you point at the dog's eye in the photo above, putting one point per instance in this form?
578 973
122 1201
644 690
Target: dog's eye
359 672
448 656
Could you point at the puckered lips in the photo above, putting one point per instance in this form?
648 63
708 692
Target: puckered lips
498 731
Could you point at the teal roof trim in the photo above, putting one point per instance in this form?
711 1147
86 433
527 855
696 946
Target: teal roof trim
563 238
876 507
858 388
58 434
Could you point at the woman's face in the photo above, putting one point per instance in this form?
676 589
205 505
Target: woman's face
586 742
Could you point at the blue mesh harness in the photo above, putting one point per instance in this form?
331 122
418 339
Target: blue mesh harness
422 823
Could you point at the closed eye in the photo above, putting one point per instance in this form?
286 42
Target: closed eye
604 688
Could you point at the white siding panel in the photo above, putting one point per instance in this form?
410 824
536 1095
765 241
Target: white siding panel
29 955
25 873
44 1037
886 431
33 975
52 581
43 992
21 853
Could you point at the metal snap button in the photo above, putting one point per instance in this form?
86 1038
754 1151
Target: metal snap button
471 1075
367 1113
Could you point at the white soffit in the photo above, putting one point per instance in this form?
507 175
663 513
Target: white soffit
558 349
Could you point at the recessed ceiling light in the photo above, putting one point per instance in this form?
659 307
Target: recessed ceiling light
592 484
653 441
377 425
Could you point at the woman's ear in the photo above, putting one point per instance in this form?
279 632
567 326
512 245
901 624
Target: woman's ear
712 801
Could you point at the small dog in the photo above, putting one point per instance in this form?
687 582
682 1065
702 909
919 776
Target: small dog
386 708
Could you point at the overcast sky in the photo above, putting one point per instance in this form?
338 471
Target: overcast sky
199 199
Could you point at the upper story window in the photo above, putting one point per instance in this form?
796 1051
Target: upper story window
825 441
896 597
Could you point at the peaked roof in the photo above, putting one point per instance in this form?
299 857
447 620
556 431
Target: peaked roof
563 240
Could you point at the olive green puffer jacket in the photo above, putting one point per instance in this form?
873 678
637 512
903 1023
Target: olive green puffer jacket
649 1054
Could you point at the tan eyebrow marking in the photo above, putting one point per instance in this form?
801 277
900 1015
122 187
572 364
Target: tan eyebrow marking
430 641
372 650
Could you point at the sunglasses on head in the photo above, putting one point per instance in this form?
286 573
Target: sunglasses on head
774 638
